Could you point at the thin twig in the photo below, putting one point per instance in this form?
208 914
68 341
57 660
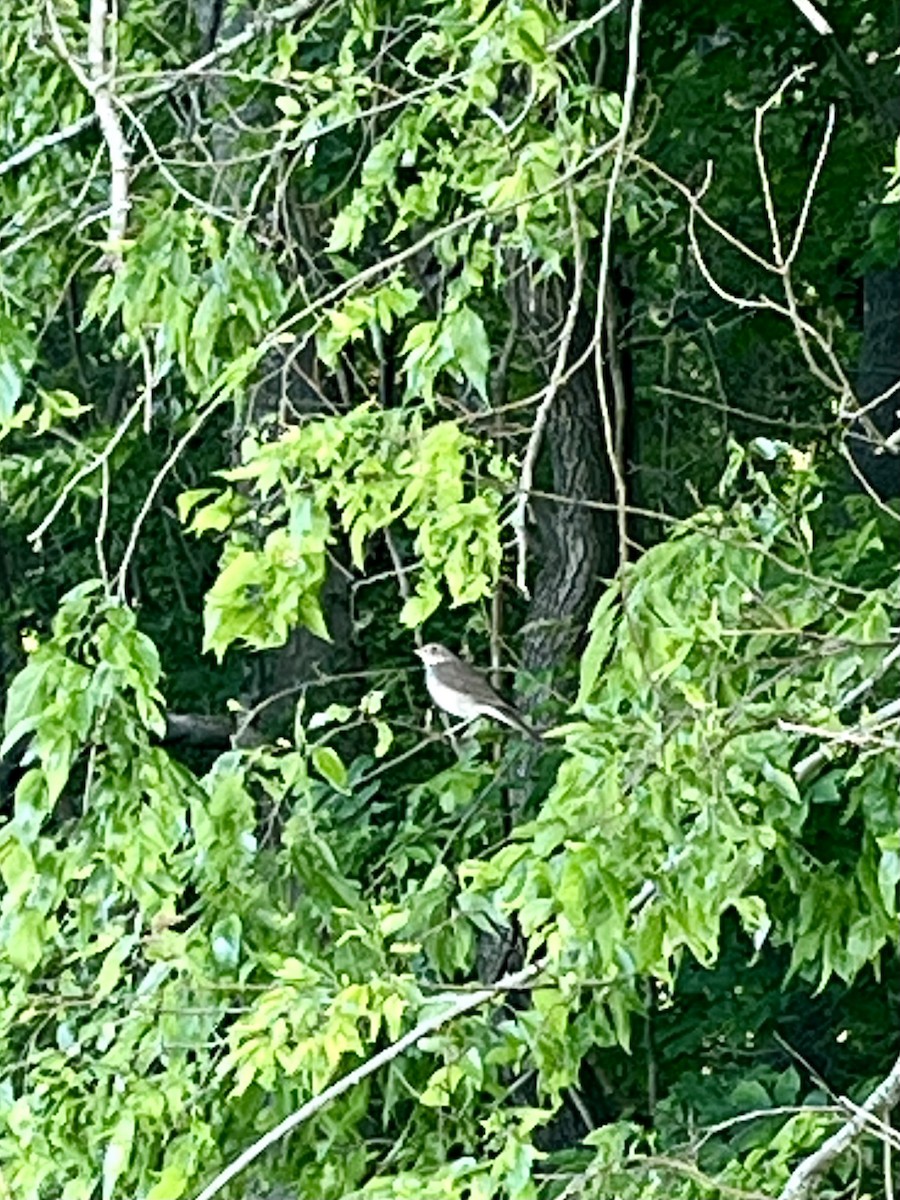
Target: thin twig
783 264
870 724
811 186
875 1125
615 174
583 27
866 485
158 479
170 177
82 473
102 521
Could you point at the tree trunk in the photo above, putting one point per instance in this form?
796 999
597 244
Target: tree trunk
576 544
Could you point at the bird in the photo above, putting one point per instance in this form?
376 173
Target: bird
463 692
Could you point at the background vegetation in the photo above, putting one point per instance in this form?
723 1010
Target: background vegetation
566 334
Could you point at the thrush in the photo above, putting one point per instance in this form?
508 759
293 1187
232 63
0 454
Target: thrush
463 692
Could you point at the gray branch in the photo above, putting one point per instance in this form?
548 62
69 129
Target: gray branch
804 1176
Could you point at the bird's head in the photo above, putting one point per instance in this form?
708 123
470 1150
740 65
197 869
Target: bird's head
434 653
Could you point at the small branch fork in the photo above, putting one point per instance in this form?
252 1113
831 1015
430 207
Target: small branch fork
254 29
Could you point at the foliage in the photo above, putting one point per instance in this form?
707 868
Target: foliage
325 349
372 468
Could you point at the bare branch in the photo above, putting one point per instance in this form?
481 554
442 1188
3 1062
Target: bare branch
111 128
97 84
804 1176
839 383
46 142
616 465
870 725
158 480
583 27
82 473
811 186
812 14
253 30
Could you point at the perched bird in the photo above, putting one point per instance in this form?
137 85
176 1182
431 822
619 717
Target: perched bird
463 692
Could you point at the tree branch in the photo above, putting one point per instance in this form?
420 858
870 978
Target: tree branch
608 417
96 82
812 14
265 22
810 764
529 462
461 1005
804 1176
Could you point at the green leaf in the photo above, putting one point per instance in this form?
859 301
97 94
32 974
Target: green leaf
225 941
347 231
312 617
385 738
17 356
471 347
889 879
205 327
288 105
117 1154
327 762
189 500
782 781
10 389
171 1185
611 108
24 700
111 970
334 713
56 762
24 943
17 867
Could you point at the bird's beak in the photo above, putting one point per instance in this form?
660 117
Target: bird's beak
419 653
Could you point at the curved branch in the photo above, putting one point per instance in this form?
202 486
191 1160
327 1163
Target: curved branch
541 417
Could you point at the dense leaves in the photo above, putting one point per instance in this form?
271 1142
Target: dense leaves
319 399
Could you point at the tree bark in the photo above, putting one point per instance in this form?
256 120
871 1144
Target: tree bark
576 544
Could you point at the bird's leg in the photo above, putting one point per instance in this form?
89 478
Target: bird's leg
461 728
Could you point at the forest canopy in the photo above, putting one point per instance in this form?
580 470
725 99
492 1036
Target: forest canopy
565 335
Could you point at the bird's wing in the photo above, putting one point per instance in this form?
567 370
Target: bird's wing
510 716
481 693
476 686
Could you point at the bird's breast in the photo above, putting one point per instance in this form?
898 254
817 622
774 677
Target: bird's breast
457 703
